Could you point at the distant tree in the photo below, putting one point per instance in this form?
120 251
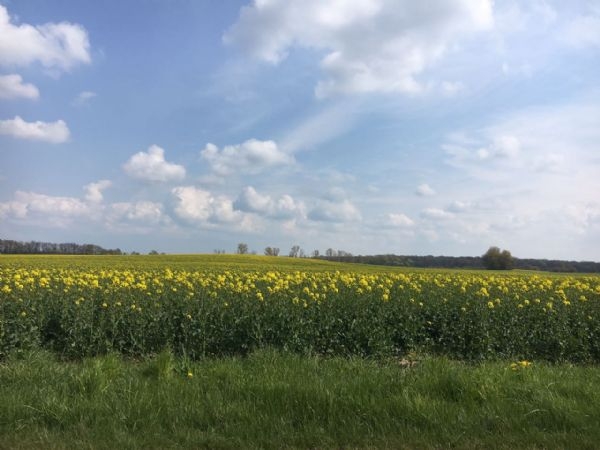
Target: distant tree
315 253
271 251
330 252
218 251
242 248
153 252
496 259
294 251
302 254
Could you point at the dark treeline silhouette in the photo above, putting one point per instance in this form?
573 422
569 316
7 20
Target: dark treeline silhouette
49 248
466 262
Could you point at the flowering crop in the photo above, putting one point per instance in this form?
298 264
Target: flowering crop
208 310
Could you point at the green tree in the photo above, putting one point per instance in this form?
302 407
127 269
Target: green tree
271 251
496 259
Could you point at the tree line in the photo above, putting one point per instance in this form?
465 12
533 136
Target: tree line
468 262
49 248
494 258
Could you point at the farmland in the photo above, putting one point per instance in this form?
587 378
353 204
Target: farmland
228 351
226 305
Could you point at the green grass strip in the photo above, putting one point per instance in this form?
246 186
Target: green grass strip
277 400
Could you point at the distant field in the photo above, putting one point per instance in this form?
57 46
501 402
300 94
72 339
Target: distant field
214 305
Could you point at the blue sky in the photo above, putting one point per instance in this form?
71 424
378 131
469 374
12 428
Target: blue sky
372 126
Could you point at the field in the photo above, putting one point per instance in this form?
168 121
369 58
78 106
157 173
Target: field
256 352
226 305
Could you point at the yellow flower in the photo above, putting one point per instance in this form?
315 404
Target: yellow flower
190 374
104 305
490 305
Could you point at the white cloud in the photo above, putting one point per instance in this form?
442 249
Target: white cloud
142 211
252 201
51 205
369 45
53 132
252 156
203 208
458 206
401 220
527 143
329 211
151 166
424 190
493 148
57 46
285 207
62 211
94 190
12 86
13 209
84 98
436 214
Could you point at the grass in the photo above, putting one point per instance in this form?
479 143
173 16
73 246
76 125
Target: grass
277 400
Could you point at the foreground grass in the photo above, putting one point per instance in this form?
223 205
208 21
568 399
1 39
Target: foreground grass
274 400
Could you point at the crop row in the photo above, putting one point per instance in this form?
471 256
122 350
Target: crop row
472 316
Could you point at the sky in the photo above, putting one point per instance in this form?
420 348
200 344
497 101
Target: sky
369 126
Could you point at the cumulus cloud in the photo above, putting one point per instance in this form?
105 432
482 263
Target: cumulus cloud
142 211
369 45
13 209
329 211
401 220
12 86
201 207
285 207
94 190
61 211
32 202
56 46
53 132
252 156
151 166
424 190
